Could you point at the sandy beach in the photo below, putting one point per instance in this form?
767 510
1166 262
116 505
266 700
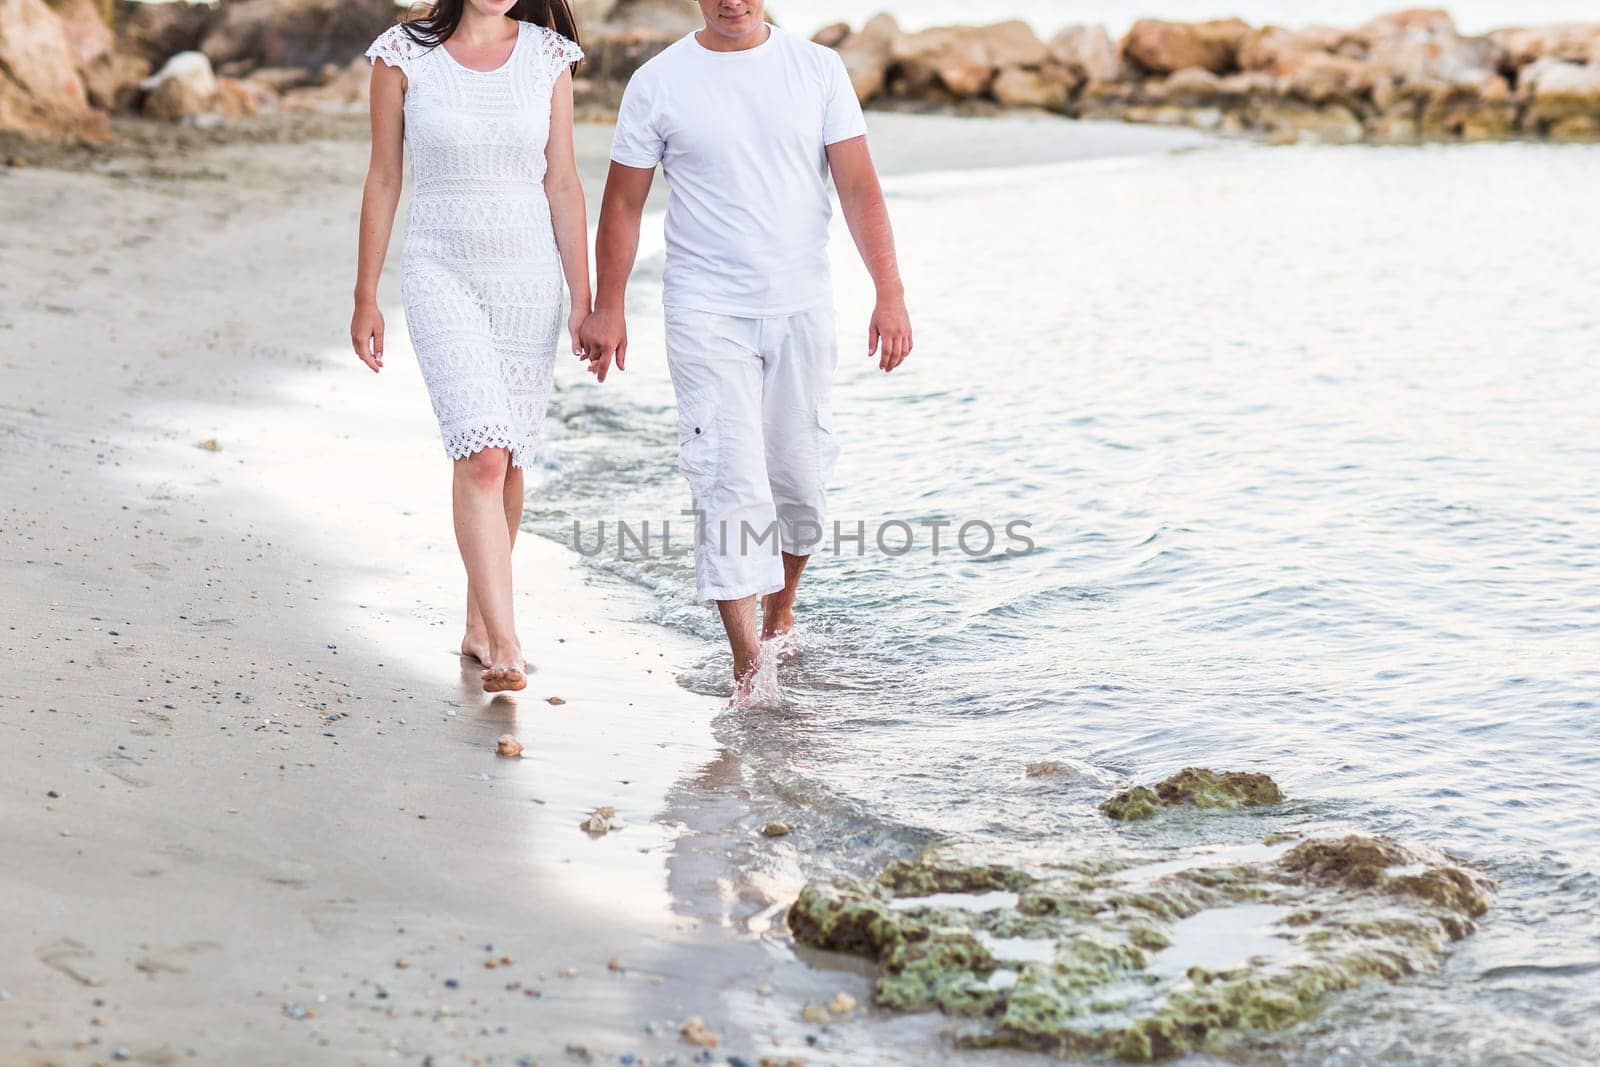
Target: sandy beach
249 793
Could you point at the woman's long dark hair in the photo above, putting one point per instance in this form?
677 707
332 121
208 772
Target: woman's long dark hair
432 24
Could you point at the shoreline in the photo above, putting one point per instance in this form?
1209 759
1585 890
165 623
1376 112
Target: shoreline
258 811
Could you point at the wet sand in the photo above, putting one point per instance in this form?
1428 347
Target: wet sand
249 793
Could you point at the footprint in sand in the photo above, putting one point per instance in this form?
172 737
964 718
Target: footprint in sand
62 956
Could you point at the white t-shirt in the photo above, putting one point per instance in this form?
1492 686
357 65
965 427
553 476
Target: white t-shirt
742 138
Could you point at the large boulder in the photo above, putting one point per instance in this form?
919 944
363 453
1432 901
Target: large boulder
1485 112
1423 48
1561 100
866 55
110 73
41 92
1048 87
832 35
1292 122
113 81
614 56
294 33
347 89
87 33
155 31
1574 42
963 60
1277 51
1321 78
673 18
184 87
1161 47
1087 52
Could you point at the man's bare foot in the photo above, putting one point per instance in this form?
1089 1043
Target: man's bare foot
777 618
476 646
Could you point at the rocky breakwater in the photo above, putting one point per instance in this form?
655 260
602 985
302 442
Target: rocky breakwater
1402 78
65 65
1142 955
68 65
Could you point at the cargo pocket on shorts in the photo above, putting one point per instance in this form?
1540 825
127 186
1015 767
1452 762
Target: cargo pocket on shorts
827 444
698 448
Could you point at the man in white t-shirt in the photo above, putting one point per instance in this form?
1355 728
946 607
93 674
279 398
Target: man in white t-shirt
747 121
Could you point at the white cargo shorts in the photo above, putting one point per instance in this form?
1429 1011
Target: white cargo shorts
755 440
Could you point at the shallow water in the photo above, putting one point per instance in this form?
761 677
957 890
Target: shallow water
1308 440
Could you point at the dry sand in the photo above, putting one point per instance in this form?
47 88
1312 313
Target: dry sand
250 801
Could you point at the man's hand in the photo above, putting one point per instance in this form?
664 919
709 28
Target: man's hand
889 334
604 337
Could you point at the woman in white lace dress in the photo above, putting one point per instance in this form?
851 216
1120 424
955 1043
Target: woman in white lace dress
481 93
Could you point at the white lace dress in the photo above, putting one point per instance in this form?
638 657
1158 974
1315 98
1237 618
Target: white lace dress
481 276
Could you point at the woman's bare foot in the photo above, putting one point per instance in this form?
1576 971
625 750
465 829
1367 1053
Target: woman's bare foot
476 646
504 669
504 680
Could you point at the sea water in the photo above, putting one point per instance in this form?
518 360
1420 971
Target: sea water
1307 445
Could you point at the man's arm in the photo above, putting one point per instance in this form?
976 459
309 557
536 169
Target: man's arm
861 197
605 335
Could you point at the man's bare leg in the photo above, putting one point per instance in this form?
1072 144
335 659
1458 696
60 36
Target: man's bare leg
777 609
476 641
739 619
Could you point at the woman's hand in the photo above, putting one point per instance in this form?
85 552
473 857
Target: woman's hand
605 337
366 334
575 320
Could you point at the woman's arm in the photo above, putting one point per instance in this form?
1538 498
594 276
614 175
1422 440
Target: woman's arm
379 199
569 214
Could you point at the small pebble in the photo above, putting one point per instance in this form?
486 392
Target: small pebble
53 795
557 701
508 747
451 983
814 1013
764 991
841 1004
614 964
121 1052
694 1031
776 829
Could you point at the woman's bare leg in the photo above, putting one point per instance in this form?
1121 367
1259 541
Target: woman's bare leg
476 641
478 494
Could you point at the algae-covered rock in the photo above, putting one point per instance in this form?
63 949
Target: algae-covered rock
1143 959
1194 787
920 878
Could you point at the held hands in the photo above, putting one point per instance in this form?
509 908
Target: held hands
366 334
889 333
575 321
603 338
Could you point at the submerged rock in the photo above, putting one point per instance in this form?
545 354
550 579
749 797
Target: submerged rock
1108 955
1194 787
